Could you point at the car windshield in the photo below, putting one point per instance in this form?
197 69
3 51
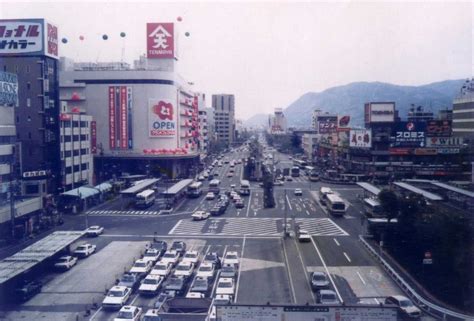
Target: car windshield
406 303
183 267
125 315
169 255
228 268
175 281
190 255
150 253
225 284
160 267
205 268
151 281
210 257
200 283
328 297
115 293
127 278
231 257
319 277
140 264
81 248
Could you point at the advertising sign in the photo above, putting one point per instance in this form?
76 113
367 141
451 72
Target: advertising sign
399 151
120 110
112 120
343 123
327 124
160 40
93 137
409 134
444 142
8 89
161 118
129 111
361 138
379 112
28 37
123 118
425 151
438 128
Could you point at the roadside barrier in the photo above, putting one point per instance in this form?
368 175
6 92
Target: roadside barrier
427 306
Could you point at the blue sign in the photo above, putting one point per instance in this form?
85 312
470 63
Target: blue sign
8 89
409 134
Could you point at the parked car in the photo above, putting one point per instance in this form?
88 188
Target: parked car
150 285
191 256
200 215
184 269
84 250
228 270
225 286
161 246
231 257
141 266
206 270
161 268
27 290
152 255
170 257
405 306
179 247
129 313
319 280
130 280
200 284
327 297
201 178
116 298
94 230
65 262
214 258
176 284
304 236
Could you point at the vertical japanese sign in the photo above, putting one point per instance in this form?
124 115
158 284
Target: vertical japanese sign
129 110
160 40
123 118
112 139
51 40
93 137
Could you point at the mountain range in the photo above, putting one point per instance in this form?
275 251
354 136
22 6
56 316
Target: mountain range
350 99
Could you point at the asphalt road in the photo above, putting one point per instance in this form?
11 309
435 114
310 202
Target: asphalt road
272 268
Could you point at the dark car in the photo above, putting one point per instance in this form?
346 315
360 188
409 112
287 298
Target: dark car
175 283
162 298
217 210
211 177
178 246
28 290
213 257
239 204
130 280
160 246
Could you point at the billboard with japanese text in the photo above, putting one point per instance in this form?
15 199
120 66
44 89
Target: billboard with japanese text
28 37
379 112
120 122
160 39
327 124
8 89
162 118
409 134
93 137
361 138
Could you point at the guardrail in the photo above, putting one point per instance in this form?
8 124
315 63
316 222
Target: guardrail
429 307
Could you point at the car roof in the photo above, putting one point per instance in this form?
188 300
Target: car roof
327 292
191 251
128 307
94 226
118 288
226 279
141 261
319 273
206 263
186 263
153 276
231 252
171 251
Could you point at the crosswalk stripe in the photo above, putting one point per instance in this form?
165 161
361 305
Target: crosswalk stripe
118 213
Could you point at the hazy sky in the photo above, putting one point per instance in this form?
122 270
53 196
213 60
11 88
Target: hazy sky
270 53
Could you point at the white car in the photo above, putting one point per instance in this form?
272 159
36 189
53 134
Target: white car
65 262
206 270
225 286
232 186
150 285
195 295
171 257
152 255
304 236
231 257
94 230
84 250
327 297
116 297
161 268
298 192
129 313
201 178
405 305
191 256
184 269
141 266
210 196
200 215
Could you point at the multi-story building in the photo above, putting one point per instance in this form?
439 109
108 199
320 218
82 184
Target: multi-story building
463 111
309 142
277 122
224 117
203 133
419 114
37 114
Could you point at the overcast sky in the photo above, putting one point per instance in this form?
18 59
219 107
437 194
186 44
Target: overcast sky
270 53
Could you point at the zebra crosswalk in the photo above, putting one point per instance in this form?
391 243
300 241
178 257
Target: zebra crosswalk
122 213
254 227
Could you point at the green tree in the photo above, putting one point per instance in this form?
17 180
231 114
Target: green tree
389 202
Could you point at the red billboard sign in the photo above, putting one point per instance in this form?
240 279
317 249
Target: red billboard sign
160 40
93 137
112 125
51 40
161 118
120 117
123 118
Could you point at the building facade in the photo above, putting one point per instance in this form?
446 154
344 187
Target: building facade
277 123
224 118
463 111
203 133
309 142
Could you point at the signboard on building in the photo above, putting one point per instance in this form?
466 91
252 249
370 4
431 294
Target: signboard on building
409 134
399 151
28 37
361 138
120 122
379 112
444 141
343 123
161 118
327 124
425 151
160 40
438 128
93 137
8 89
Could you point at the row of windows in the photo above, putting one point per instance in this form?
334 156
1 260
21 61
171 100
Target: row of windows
75 138
76 152
75 124
76 168
16 68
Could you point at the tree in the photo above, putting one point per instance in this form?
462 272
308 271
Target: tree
389 202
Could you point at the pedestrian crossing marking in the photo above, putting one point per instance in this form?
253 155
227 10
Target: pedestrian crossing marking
122 213
254 227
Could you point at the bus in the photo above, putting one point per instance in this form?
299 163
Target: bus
214 186
313 176
244 187
335 205
300 163
308 170
372 207
194 190
323 193
295 171
145 199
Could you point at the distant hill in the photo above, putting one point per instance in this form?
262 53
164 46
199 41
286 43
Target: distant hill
257 120
349 99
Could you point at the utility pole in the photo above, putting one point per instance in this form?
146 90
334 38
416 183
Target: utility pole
12 192
285 218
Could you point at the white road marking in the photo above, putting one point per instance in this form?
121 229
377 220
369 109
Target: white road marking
305 274
377 301
248 207
289 204
347 257
360 277
307 212
96 312
240 269
287 267
335 241
176 226
327 270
